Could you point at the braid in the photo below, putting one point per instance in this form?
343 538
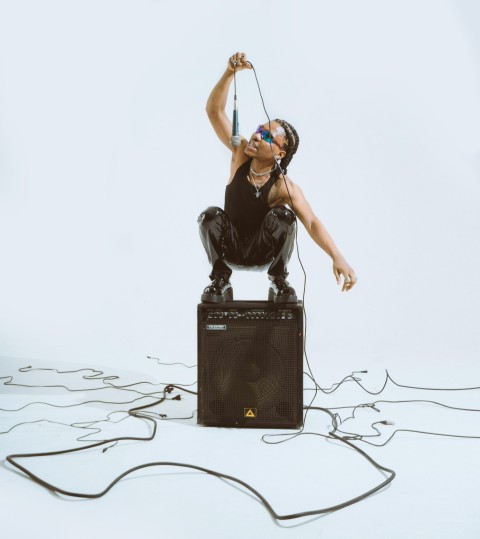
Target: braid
292 143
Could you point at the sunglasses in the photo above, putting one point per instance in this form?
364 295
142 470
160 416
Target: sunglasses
266 135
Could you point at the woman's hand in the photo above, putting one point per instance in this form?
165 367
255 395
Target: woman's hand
341 267
239 60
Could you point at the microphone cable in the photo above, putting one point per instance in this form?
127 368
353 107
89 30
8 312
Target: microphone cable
292 206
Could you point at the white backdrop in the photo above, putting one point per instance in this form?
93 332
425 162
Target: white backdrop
107 158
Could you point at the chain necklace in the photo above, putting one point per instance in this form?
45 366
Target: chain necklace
252 181
257 174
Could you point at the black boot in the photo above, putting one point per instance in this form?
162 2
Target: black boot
280 291
219 291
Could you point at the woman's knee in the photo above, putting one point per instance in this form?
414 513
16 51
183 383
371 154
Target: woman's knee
282 215
212 213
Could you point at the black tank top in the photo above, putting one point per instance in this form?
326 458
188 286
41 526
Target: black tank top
245 210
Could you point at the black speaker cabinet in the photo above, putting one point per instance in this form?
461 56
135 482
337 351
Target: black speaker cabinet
250 364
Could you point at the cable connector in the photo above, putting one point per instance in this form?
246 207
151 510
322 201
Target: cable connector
107 448
387 422
352 437
369 405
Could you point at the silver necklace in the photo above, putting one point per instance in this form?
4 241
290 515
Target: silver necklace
261 173
258 193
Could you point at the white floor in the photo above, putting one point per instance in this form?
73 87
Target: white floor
102 107
434 495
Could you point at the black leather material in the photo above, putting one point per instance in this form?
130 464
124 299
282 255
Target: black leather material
271 244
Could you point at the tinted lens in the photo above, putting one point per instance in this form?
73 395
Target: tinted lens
266 136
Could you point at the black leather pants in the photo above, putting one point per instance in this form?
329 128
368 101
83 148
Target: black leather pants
271 244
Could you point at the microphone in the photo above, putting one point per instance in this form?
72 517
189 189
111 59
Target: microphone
235 139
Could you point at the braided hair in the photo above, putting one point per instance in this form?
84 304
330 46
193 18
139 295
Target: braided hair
290 146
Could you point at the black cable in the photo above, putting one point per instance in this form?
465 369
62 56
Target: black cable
387 379
97 375
296 245
360 437
175 363
134 412
430 388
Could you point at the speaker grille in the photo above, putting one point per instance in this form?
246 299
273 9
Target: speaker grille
250 365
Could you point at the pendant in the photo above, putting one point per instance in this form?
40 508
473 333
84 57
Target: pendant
257 194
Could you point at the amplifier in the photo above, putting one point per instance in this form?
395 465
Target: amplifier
250 364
